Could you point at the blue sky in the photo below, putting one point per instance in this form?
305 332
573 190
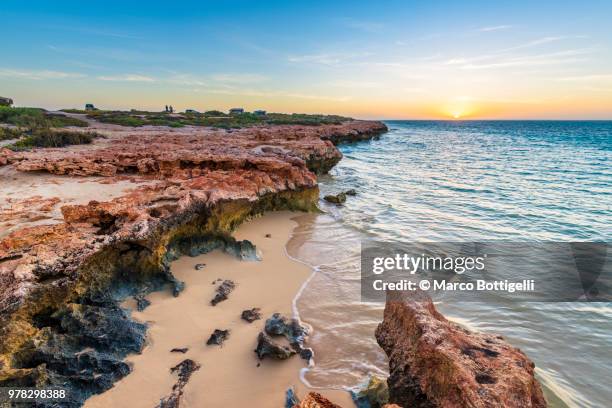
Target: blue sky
403 59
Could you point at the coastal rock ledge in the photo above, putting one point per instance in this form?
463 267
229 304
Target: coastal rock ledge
63 276
436 363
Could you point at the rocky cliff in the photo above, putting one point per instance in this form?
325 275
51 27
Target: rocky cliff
436 363
61 280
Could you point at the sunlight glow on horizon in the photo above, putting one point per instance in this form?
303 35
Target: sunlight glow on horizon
404 61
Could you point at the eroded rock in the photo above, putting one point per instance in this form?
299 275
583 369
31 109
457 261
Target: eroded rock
192 187
291 330
218 337
222 292
373 394
436 363
315 400
339 198
184 370
250 315
266 347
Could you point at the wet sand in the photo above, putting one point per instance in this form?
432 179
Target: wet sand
229 375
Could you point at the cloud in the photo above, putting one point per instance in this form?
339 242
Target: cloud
39 75
327 59
239 78
560 57
587 78
542 41
494 28
127 77
362 25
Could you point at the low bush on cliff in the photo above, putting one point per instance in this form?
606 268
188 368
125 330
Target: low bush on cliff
47 137
10 133
35 117
212 119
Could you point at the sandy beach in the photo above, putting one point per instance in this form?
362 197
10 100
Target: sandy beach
230 375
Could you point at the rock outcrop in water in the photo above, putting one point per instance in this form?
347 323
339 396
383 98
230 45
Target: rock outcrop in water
436 363
61 281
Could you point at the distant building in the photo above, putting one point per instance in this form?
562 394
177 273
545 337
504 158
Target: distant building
5 101
236 111
191 111
259 113
90 107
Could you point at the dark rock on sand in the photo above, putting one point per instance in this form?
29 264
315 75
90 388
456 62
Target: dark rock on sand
141 302
292 330
266 347
268 235
199 266
291 398
250 315
223 290
436 363
179 350
184 370
80 348
279 325
218 337
339 198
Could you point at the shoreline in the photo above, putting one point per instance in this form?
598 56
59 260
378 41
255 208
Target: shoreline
272 284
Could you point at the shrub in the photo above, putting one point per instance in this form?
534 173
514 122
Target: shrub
46 137
10 133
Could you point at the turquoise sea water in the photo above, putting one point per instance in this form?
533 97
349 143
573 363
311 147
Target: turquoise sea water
467 181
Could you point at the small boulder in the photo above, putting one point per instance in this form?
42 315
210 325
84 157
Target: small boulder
223 290
199 266
373 394
141 302
266 347
351 192
339 198
184 370
218 337
315 400
179 350
250 315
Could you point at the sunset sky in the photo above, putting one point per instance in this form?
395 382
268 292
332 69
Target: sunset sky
404 59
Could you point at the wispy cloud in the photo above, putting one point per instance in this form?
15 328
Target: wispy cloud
39 74
544 40
560 57
127 77
239 78
328 58
587 78
362 25
272 94
494 28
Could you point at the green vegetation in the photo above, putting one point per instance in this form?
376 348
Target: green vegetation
10 133
211 118
46 137
37 128
34 118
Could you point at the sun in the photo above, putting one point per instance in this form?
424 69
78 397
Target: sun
456 115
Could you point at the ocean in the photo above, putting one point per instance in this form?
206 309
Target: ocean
463 181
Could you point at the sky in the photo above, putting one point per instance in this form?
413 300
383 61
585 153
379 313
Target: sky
365 59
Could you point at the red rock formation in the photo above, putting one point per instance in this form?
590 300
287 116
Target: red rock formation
189 152
436 363
208 181
315 400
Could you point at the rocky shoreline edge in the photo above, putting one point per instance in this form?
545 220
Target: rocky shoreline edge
61 284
